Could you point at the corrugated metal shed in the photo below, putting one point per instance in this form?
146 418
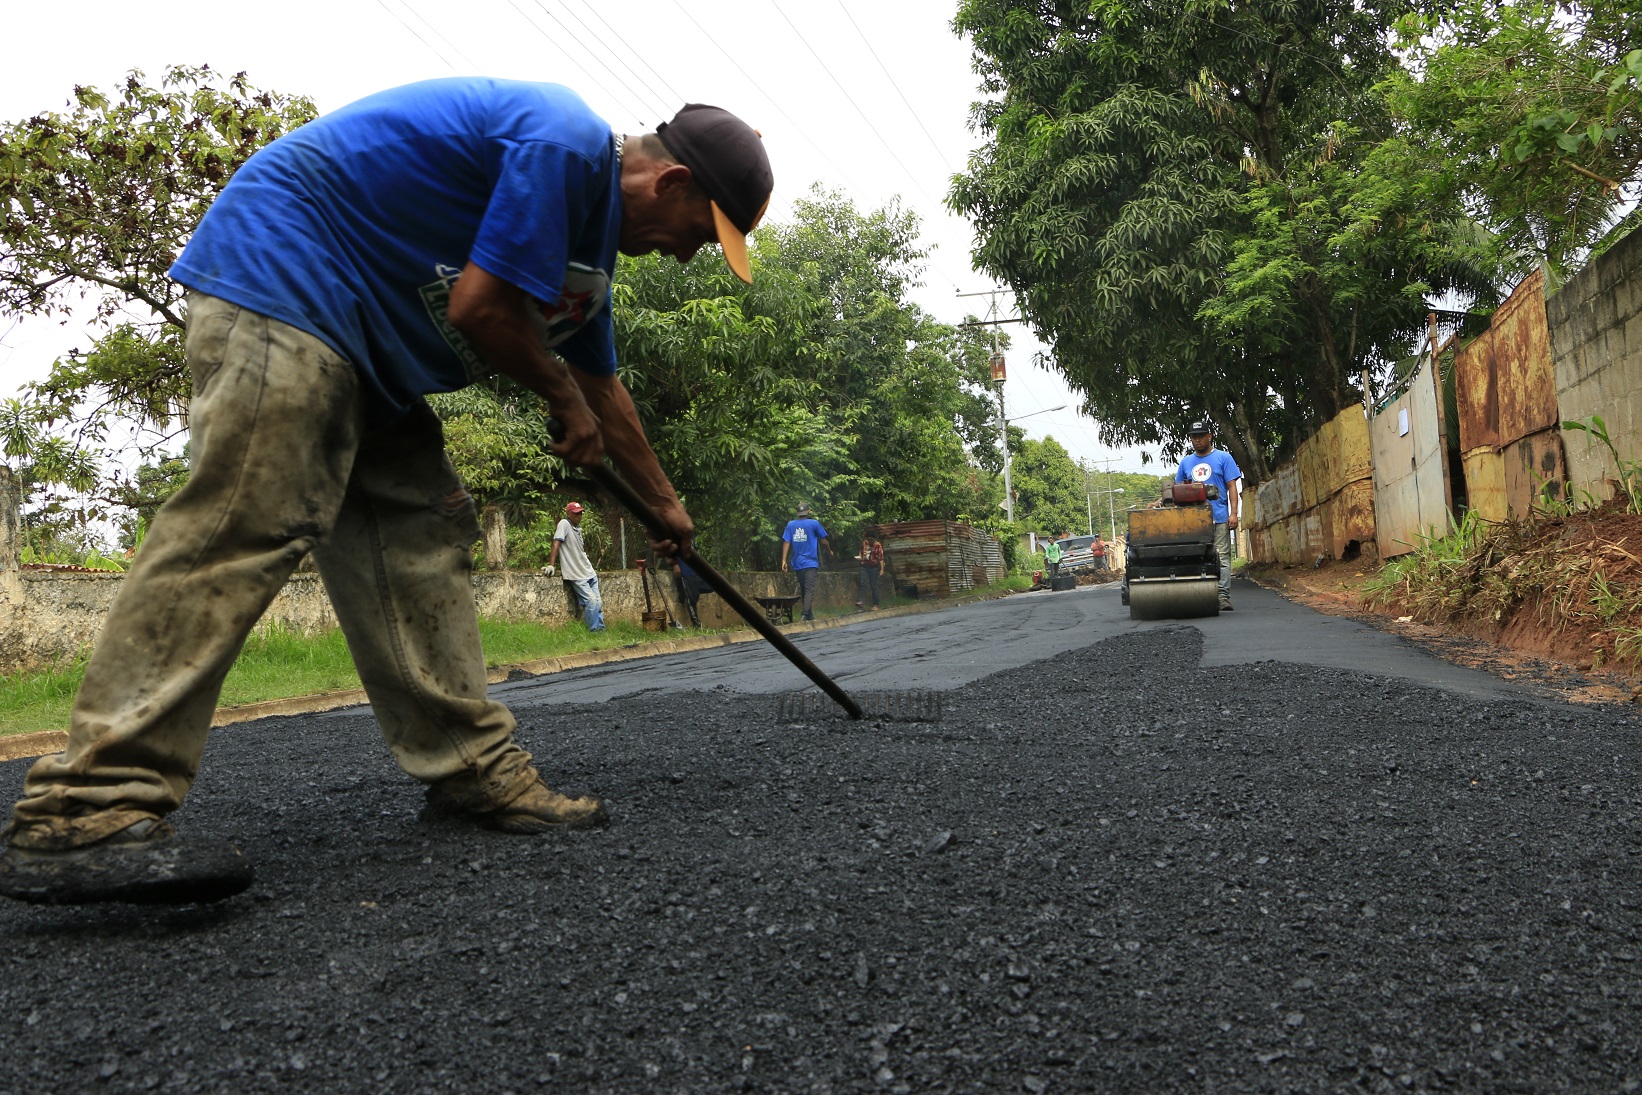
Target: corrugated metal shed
940 557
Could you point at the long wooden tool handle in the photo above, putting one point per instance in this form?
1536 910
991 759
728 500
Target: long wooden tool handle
639 508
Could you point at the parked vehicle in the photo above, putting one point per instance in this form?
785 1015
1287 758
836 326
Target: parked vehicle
1077 558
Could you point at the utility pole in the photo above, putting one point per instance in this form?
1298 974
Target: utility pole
999 375
1111 494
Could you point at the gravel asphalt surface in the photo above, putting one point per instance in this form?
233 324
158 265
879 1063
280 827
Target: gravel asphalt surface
1126 859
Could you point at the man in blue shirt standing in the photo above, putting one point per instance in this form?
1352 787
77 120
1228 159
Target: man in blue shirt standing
1215 467
804 538
410 243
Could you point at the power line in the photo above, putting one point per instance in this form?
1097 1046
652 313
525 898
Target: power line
845 92
796 128
891 78
648 106
454 48
401 21
671 90
567 56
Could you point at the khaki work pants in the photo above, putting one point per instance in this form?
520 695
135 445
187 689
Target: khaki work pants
281 464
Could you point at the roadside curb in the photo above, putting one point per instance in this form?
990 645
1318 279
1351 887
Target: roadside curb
43 742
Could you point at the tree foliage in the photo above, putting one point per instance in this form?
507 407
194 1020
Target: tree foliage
1049 486
1530 113
1181 195
97 201
820 383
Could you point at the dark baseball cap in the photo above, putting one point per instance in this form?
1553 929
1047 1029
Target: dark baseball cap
726 156
1198 427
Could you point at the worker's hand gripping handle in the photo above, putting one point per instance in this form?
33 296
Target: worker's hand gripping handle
619 489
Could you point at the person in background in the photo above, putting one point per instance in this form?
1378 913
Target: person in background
872 566
690 587
1098 551
1051 558
581 581
1215 467
804 538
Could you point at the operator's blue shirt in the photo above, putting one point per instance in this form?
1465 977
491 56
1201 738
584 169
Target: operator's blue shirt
1216 469
355 226
805 535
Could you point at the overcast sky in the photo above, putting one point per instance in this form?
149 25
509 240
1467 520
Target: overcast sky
869 98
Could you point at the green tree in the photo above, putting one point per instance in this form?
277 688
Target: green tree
1171 189
1049 486
1528 112
97 201
820 382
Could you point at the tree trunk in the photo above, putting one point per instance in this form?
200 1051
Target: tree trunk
11 500
495 538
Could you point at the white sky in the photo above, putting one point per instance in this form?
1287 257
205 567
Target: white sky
796 67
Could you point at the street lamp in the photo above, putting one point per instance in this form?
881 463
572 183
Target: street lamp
1008 491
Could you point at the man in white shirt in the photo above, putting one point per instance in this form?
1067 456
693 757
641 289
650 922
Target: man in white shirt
581 582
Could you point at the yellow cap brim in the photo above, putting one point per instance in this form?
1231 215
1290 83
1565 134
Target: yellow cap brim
733 242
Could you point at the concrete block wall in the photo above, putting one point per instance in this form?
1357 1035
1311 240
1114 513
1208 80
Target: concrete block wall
1595 325
50 617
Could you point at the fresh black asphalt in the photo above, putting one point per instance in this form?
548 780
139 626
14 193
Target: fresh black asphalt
1126 859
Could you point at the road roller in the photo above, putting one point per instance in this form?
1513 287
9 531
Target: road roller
1173 571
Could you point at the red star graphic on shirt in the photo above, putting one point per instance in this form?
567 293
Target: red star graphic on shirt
572 307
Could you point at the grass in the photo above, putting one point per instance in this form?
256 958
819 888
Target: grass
279 664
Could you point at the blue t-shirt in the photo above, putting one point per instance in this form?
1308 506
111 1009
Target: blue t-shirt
1217 468
805 535
355 226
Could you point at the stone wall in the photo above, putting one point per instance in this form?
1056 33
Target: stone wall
1595 323
49 617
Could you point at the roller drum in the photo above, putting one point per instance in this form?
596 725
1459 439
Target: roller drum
1173 598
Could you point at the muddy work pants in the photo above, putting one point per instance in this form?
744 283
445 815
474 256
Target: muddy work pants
282 463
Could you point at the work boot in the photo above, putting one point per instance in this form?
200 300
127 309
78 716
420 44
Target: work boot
144 864
1225 604
536 809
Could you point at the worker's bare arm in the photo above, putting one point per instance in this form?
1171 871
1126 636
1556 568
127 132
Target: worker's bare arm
631 452
1234 502
498 318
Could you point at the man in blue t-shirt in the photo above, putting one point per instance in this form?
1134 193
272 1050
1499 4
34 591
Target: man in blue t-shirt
410 243
804 538
1215 467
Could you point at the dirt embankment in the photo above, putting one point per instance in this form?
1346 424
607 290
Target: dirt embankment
1557 602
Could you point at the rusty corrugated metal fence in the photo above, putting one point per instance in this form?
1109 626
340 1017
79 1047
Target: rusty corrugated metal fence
1321 502
1412 495
1510 436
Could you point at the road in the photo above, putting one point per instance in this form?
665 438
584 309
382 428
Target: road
1266 852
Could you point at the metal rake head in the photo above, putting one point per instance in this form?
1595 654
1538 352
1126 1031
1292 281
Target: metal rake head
914 705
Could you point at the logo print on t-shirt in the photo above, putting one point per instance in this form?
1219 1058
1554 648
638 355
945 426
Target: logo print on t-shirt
582 296
436 299
800 536
1203 472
